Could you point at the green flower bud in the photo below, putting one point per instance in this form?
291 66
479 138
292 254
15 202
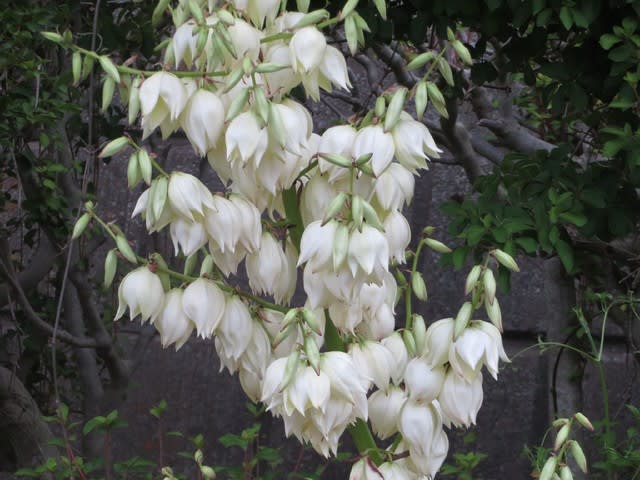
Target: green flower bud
125 249
436 246
110 267
489 284
421 99
81 225
340 246
114 147
109 68
505 260
395 109
462 319
312 18
418 286
145 165
472 279
76 67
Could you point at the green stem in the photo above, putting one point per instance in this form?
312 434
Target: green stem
157 166
290 200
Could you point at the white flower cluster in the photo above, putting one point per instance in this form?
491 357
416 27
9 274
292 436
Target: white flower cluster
349 186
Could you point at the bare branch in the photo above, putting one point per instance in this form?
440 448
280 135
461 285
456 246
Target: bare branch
397 63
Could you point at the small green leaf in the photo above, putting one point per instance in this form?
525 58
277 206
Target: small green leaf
565 252
98 421
608 40
566 18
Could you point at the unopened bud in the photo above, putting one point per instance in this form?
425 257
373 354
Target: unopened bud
436 246
489 284
198 456
462 52
276 126
578 455
549 468
269 67
565 473
312 18
133 171
371 216
81 225
395 109
340 246
146 167
134 100
421 99
419 329
349 7
225 16
357 211
462 319
108 87
494 313
109 68
114 147
409 342
53 37
261 104
125 249
76 67
190 263
159 11
561 436
335 207
110 267
420 61
505 260
472 279
312 352
381 106
208 472
584 421
207 266
559 422
418 286
237 105
290 369
311 320
336 159
158 195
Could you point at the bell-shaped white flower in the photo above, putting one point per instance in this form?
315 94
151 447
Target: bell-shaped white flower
234 332
156 210
460 400
246 139
395 344
316 245
374 362
338 140
163 96
253 363
427 464
204 304
369 252
394 187
317 194
479 344
187 235
188 196
184 44
307 49
384 410
365 469
268 267
413 143
223 223
258 10
396 471
420 424
423 383
334 68
398 234
245 39
203 120
172 323
373 139
141 291
437 343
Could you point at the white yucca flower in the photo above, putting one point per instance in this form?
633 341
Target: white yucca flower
420 424
172 322
384 410
184 44
395 471
188 196
268 267
394 187
460 400
187 236
413 143
397 231
338 140
163 96
423 383
373 139
203 120
234 333
365 469
438 340
374 362
141 291
307 48
253 363
258 10
204 303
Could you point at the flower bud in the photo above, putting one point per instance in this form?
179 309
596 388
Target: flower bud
472 279
462 52
293 360
357 211
114 147
198 456
436 246
584 421
76 67
81 225
207 472
489 284
237 105
313 353
380 107
311 18
549 468
494 313
349 7
462 319
311 320
578 455
53 37
125 249
109 68
505 260
108 87
144 163
445 70
409 342
565 473
395 108
336 159
418 286
134 100
87 66
110 267
562 436
340 246
335 207
158 195
419 329
133 171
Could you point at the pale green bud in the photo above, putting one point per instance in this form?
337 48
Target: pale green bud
290 369
381 106
561 436
233 79
261 104
110 267
409 342
462 319
109 68
196 11
336 159
371 216
578 455
472 279
418 286
584 421
237 105
420 60
312 352
108 87
276 126
303 5
207 266
549 468
349 7
381 6
357 211
158 12
144 163
125 249
87 66
81 225
419 333
494 313
198 456
364 158
312 18
247 66
396 105
436 246
114 147
559 422
311 321
226 17
421 99
134 100
270 67
437 99
340 246
76 67
53 37
351 33
290 318
158 195
565 473
462 52
505 260
451 36
190 263
489 284
445 70
335 207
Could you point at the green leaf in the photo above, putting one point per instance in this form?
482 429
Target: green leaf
565 252
578 219
474 234
528 244
459 255
98 421
608 40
